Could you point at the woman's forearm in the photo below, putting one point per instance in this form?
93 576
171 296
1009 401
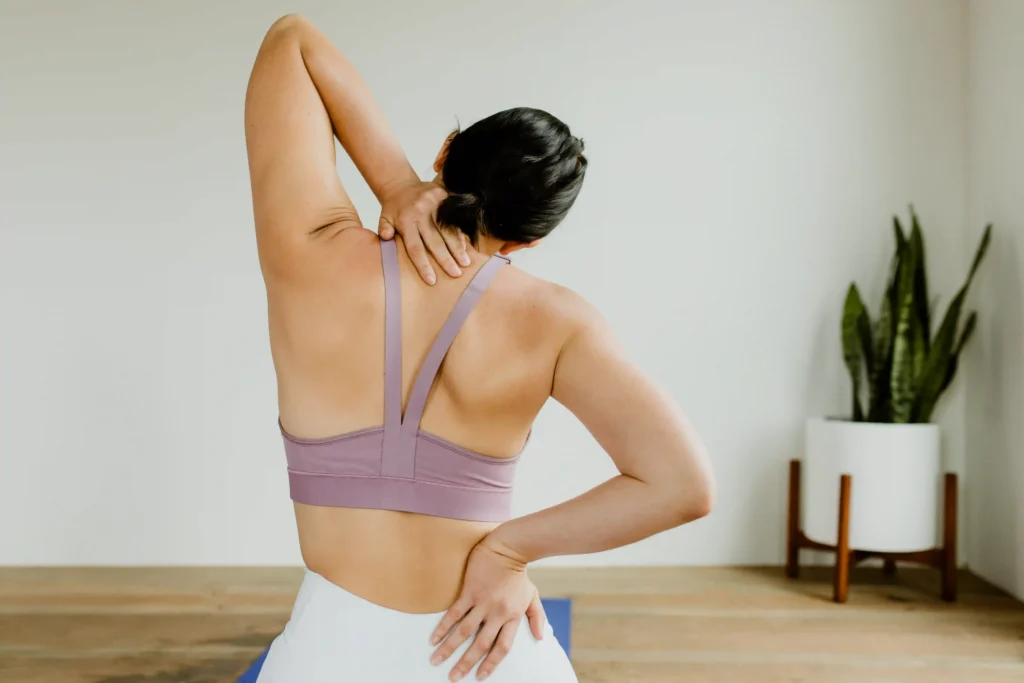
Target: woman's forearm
665 476
358 121
620 511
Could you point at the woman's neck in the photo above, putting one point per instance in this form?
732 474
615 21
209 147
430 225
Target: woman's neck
489 246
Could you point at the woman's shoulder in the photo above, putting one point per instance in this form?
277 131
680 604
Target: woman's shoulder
549 304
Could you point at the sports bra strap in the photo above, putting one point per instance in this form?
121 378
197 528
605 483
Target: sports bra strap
398 456
392 337
463 307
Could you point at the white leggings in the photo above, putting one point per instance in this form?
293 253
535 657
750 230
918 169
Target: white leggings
334 636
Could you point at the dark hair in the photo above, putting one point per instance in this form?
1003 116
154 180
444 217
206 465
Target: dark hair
513 176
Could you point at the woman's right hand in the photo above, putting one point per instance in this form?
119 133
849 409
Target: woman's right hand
410 210
496 594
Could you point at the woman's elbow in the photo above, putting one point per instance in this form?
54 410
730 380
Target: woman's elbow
700 505
694 497
287 23
288 27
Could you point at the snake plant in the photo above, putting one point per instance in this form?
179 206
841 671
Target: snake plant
896 362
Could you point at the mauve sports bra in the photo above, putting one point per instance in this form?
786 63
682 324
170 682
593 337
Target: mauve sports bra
398 466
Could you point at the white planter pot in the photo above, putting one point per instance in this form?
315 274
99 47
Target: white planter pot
895 492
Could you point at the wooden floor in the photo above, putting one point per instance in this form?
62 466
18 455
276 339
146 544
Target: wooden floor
658 625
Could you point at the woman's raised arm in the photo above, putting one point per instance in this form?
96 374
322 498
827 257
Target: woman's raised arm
302 93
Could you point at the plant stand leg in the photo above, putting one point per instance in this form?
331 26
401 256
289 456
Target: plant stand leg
889 568
842 572
949 519
793 522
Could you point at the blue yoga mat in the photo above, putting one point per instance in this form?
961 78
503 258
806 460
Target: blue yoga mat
559 611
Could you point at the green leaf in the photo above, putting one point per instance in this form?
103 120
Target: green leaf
986 237
879 409
902 378
937 365
854 318
954 362
965 335
968 331
918 356
898 263
897 228
918 350
867 345
920 281
940 365
928 405
878 376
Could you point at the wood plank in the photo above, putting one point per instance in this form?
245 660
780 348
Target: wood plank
73 633
875 637
642 625
149 668
148 590
784 672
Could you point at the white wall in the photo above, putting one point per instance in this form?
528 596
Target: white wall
746 158
995 364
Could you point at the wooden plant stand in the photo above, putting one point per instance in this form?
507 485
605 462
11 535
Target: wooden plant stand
943 559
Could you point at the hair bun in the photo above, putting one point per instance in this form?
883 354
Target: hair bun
463 211
512 176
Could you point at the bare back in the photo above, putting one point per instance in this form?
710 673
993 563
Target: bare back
525 341
327 339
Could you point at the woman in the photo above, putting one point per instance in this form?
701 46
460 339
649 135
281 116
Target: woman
404 404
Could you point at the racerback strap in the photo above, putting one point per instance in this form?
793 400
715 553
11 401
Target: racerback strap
399 456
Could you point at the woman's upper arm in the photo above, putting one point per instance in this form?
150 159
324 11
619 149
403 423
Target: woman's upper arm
290 144
638 424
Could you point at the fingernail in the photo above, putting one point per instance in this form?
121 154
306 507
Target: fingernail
456 272
482 675
431 279
435 660
456 676
464 259
435 639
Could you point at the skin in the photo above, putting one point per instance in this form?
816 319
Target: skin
528 340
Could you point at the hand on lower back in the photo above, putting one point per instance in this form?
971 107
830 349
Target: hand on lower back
410 210
496 594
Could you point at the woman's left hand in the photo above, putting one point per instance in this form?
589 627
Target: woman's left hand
410 210
496 593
